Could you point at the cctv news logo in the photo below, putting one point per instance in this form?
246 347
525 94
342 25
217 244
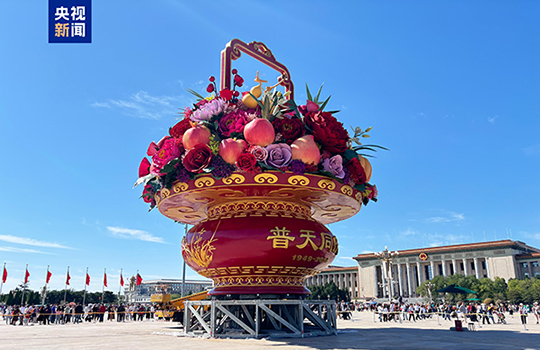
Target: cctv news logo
70 21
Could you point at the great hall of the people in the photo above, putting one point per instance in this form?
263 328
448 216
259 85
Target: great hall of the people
406 270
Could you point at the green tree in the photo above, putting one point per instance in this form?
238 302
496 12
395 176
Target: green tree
329 290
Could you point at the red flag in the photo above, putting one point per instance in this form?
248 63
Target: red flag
49 274
4 276
121 280
68 278
87 280
139 279
105 279
26 275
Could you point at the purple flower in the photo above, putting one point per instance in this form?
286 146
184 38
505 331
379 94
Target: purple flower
208 110
232 122
297 167
347 177
334 165
221 168
279 155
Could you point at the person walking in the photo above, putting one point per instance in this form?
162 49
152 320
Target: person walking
536 311
523 314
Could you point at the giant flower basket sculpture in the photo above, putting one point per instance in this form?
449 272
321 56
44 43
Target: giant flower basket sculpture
259 177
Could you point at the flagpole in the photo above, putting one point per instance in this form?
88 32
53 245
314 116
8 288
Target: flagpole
46 283
65 288
2 285
24 285
120 287
103 287
84 295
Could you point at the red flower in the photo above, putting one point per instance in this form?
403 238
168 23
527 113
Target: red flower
197 158
358 175
180 128
226 94
238 80
327 131
247 162
289 128
148 195
144 168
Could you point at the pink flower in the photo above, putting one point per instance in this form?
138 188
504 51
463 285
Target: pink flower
312 107
334 165
259 152
170 149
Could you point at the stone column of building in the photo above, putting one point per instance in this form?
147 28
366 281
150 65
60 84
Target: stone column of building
487 268
444 268
529 264
476 268
432 265
390 281
383 275
454 266
465 268
400 280
419 270
409 283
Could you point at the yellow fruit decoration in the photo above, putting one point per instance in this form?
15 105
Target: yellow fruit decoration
367 167
256 91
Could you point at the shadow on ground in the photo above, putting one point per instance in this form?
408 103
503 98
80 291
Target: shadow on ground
400 338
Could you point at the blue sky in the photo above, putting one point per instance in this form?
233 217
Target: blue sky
452 88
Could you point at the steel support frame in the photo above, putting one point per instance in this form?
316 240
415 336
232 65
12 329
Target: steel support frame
259 318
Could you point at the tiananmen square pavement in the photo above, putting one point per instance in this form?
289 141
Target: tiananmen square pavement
359 333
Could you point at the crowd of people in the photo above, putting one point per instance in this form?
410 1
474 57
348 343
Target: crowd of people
74 313
471 312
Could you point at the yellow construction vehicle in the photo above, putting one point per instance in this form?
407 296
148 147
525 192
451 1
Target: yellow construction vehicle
166 307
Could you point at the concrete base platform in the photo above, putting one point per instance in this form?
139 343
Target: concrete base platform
359 333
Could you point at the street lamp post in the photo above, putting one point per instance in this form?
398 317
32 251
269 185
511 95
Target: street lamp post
386 258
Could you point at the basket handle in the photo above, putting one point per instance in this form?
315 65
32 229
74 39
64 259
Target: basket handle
233 50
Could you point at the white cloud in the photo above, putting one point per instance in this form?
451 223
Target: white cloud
143 105
448 217
128 233
366 252
408 232
492 119
31 241
20 250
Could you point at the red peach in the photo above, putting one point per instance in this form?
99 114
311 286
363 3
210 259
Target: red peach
259 132
230 149
305 149
197 134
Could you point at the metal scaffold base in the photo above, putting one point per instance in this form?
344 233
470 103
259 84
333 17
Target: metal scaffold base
260 318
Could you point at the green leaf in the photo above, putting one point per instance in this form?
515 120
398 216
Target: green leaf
325 102
360 188
195 93
349 154
377 146
258 102
363 147
170 166
308 93
318 94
